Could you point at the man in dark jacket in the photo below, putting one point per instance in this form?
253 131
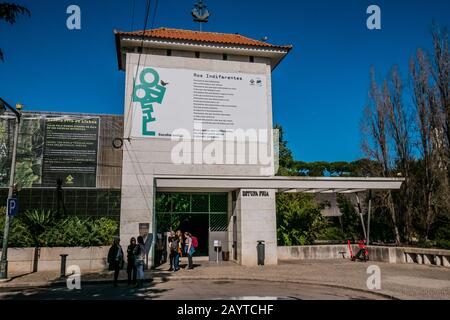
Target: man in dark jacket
131 262
115 259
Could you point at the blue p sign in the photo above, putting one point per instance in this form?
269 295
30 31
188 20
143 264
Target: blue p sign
13 207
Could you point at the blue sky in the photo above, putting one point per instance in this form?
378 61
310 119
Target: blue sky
319 91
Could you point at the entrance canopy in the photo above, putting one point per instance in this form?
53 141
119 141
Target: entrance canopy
282 184
318 185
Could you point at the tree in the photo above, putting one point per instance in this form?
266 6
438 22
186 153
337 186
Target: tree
284 154
430 101
413 142
376 140
440 72
399 127
299 219
9 12
351 224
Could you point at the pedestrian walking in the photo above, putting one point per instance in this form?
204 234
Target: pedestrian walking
139 254
115 259
131 262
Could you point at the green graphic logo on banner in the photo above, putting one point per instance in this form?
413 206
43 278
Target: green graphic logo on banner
148 93
69 179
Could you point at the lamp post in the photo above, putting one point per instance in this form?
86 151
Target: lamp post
3 107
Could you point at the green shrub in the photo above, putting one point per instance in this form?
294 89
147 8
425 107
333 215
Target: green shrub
68 232
19 234
103 231
38 222
299 219
41 228
425 244
332 233
443 244
78 232
443 237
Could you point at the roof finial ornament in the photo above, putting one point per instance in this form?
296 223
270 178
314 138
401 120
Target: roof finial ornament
200 13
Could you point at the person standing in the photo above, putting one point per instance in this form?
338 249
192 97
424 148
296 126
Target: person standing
173 252
189 249
180 249
131 262
175 248
169 248
139 253
115 259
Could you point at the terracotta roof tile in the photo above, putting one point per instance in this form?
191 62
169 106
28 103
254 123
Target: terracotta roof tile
214 37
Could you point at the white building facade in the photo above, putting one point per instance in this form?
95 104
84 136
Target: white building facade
198 120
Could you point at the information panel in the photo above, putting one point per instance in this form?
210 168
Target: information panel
51 148
70 152
206 104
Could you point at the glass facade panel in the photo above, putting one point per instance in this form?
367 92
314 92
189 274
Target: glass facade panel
79 202
200 203
196 213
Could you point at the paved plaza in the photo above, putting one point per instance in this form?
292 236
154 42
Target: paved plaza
325 279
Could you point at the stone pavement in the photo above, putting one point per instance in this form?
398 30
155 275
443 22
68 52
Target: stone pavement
398 281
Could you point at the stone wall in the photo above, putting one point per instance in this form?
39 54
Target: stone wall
22 260
437 257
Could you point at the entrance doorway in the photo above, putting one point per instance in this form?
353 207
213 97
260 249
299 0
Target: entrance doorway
204 215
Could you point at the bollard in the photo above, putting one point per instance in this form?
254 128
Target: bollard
260 248
63 265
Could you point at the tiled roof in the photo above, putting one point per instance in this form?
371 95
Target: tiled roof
211 37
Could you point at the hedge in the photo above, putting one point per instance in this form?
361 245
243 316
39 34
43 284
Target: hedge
35 228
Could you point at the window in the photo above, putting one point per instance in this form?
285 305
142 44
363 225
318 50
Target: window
252 59
169 52
225 56
197 54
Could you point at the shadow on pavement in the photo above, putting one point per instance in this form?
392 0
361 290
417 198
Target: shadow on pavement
104 291
18 276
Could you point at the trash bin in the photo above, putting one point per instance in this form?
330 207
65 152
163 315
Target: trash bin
260 248
225 255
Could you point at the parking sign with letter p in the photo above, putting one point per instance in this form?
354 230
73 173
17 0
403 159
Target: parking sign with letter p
13 207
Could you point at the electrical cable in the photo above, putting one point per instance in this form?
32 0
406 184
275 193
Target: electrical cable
129 113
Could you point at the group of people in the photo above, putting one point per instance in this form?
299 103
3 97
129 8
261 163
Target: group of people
181 245
136 254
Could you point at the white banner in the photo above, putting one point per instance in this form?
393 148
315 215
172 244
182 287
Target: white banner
205 104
